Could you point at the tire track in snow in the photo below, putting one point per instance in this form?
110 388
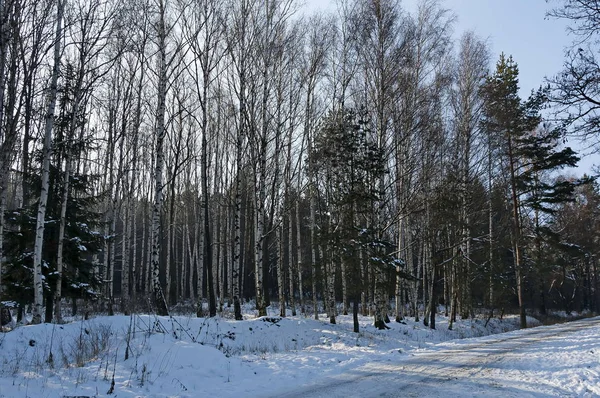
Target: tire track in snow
462 370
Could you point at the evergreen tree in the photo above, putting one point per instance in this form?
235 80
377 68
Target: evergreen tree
530 154
503 115
70 237
577 267
347 161
82 242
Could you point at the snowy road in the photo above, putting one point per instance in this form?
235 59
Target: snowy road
560 360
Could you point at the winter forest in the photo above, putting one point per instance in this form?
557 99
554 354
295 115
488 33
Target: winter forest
163 156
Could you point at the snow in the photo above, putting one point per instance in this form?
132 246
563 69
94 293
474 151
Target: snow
185 356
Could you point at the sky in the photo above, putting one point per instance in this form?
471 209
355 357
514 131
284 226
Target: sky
515 27
518 28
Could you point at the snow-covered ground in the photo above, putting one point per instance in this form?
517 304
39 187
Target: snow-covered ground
196 357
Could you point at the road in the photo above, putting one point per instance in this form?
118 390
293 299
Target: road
537 362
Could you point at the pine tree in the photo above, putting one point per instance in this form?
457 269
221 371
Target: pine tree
531 153
504 115
542 193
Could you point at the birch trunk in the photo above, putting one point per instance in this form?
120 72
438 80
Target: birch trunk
200 263
291 270
280 271
38 277
313 247
415 292
399 280
299 254
331 289
170 237
259 230
364 282
229 250
191 253
158 297
345 305
61 241
143 254
237 239
222 258
112 250
288 204
134 244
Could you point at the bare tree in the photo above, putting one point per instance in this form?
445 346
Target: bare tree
166 57
467 104
38 282
575 90
206 37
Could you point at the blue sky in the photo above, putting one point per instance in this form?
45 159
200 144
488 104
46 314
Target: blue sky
519 28
516 27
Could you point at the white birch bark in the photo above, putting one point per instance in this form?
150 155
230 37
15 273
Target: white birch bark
222 257
125 252
159 300
280 271
134 245
313 247
291 268
331 290
61 240
38 277
259 229
144 269
399 280
300 267
345 305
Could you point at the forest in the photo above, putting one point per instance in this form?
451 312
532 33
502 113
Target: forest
164 156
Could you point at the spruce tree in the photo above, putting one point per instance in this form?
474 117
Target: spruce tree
70 231
82 241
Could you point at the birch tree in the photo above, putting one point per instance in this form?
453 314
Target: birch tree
240 40
38 278
466 103
166 57
206 36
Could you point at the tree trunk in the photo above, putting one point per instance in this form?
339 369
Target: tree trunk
299 253
237 239
313 248
516 236
345 303
158 297
355 324
280 271
38 284
61 240
331 290
399 280
259 228
291 270
5 148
